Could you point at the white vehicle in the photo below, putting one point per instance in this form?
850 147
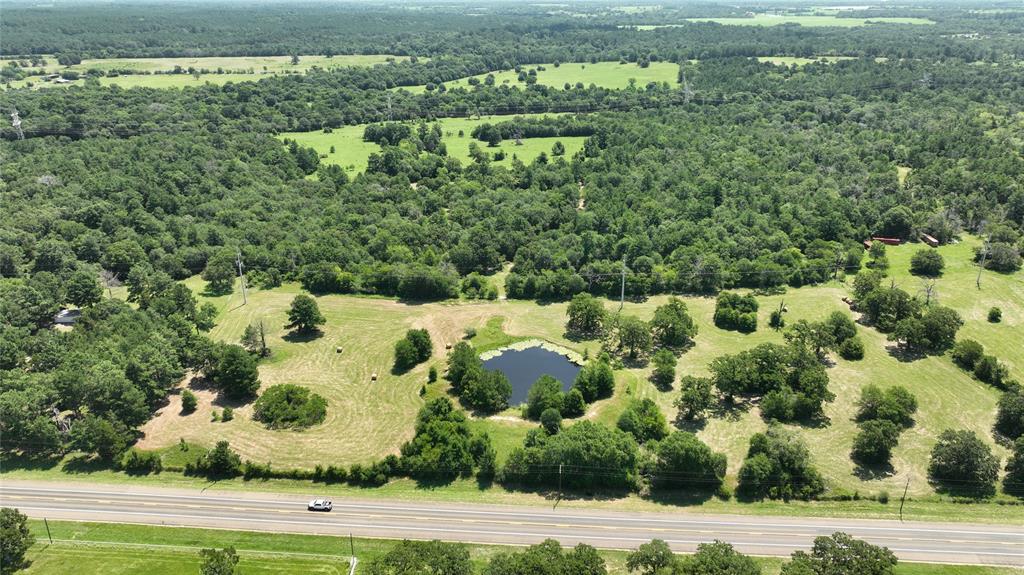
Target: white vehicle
320 505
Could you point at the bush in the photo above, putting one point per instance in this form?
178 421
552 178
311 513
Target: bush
852 349
874 443
990 370
137 462
643 420
961 462
219 462
995 315
926 262
664 369
573 405
228 414
967 352
1010 414
683 461
778 466
736 312
895 404
545 393
188 401
287 406
551 420
432 374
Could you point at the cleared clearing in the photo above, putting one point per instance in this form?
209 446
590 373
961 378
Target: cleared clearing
368 420
351 152
154 72
804 20
613 75
795 61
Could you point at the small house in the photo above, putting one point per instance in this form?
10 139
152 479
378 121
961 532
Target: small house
931 241
887 241
67 317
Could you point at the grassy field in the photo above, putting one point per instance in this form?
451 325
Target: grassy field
794 61
147 72
378 413
351 152
807 20
99 548
604 74
367 420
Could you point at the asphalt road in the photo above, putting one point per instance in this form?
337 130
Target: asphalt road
759 535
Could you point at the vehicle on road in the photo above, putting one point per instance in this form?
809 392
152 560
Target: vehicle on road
320 505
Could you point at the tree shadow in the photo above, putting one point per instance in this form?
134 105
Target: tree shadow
903 354
679 496
10 461
692 425
638 362
731 411
85 464
579 337
302 336
873 471
211 291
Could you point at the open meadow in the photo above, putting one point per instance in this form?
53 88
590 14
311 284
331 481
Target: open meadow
612 75
369 419
161 72
809 20
100 548
351 151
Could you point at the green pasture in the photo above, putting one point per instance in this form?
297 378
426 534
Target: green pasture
795 61
103 548
613 75
351 152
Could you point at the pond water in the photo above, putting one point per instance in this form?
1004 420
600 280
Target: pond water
522 367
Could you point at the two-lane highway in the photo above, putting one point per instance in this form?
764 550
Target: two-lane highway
778 536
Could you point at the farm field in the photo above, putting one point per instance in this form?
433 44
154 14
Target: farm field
380 413
93 548
795 61
351 152
151 72
611 75
812 21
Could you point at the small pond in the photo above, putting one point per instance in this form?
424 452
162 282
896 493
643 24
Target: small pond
522 367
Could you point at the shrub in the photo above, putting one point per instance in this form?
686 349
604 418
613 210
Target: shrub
228 414
926 262
137 462
682 460
545 393
551 420
432 374
736 312
874 443
221 461
961 462
287 406
967 352
188 401
995 315
852 349
778 466
895 404
643 420
1010 414
573 405
991 371
664 369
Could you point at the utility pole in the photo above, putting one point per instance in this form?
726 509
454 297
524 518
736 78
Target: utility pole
559 484
622 295
904 498
16 123
981 266
241 276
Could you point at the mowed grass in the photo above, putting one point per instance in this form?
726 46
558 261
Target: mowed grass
369 420
611 75
795 61
149 72
351 151
101 548
813 21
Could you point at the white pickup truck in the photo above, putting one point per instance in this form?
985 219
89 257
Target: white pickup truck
320 505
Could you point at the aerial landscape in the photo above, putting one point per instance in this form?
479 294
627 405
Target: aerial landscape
504 288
